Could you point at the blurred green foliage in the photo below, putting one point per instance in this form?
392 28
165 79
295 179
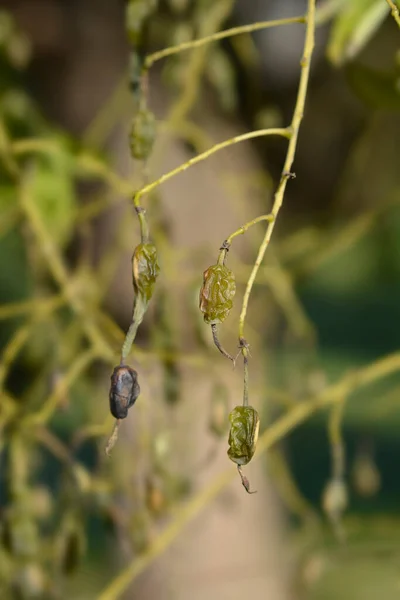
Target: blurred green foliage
63 507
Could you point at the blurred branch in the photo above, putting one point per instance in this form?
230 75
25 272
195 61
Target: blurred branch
395 11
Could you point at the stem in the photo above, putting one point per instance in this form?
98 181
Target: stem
137 317
247 226
395 11
221 35
245 352
294 128
218 343
336 440
283 132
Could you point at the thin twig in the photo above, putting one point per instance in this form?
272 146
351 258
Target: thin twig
221 35
395 11
294 132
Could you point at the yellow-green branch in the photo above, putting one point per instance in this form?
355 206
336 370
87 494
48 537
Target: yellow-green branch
294 129
395 11
283 132
221 35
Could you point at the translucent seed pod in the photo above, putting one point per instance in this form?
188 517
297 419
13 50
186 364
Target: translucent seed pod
124 391
145 270
365 475
335 500
142 134
243 434
216 294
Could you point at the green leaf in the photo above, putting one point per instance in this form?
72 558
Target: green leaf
354 27
378 89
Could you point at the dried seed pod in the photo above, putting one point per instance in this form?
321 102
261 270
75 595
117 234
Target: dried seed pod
243 434
145 269
216 294
142 134
124 391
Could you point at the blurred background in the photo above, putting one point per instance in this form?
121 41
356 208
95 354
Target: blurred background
167 510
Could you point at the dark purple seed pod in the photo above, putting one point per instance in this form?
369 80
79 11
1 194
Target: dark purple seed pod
124 391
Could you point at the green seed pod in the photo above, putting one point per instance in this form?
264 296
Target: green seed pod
145 269
243 434
216 294
142 134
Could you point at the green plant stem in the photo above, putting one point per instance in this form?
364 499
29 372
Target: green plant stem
283 132
395 11
245 353
247 226
221 35
138 314
336 440
275 432
294 132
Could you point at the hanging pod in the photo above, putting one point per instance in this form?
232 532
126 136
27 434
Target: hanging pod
124 391
145 270
142 134
216 294
243 434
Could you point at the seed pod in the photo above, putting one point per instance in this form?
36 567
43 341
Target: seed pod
243 434
365 475
124 391
334 499
142 134
145 269
216 294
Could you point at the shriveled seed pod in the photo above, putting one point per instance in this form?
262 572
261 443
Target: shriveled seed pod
145 269
243 434
142 134
124 391
216 294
